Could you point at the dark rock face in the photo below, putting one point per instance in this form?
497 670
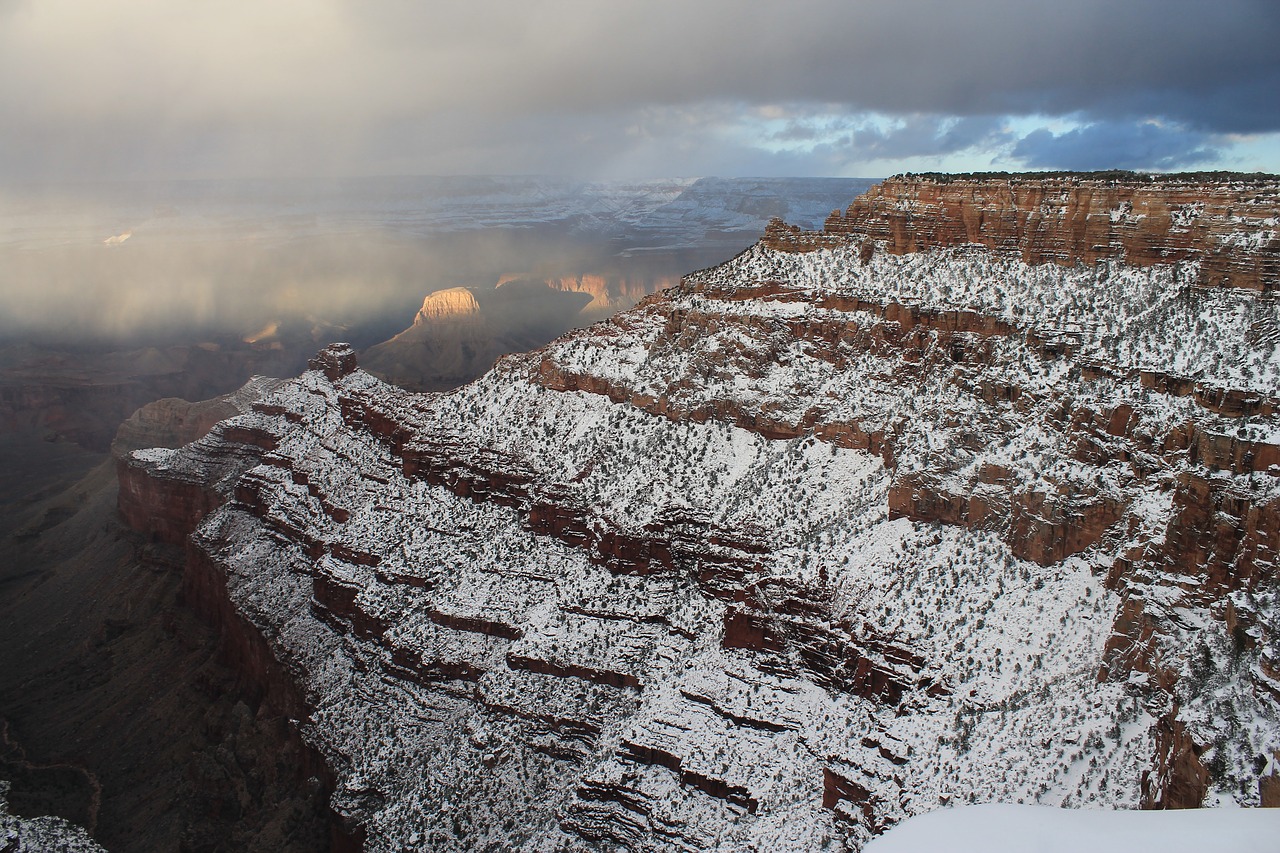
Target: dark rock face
118 698
140 706
821 538
334 361
84 396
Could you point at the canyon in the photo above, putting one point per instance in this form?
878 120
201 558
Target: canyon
972 495
124 711
221 280
459 332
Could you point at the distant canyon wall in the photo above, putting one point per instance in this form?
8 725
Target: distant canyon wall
1230 227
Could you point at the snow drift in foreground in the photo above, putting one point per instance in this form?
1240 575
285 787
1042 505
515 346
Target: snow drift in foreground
1004 828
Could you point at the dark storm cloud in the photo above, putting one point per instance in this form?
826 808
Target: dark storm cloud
918 135
1211 64
1118 145
145 86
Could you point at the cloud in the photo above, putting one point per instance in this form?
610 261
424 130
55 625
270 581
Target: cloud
148 87
928 136
1118 145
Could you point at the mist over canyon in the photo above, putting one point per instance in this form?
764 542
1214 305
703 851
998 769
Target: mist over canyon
403 448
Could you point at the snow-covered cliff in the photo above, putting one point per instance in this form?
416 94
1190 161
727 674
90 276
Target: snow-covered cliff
812 542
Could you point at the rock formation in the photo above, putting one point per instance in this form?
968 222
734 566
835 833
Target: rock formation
1228 226
611 293
970 496
173 422
82 396
460 331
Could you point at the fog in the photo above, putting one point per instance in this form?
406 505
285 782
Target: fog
157 291
115 295
135 265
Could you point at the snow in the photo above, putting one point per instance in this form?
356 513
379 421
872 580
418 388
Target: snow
1004 828
154 455
1125 316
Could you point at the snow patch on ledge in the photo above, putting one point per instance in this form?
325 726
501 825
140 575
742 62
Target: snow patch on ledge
154 455
1004 828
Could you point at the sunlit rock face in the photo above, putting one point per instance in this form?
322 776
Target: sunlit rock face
612 293
460 331
834 533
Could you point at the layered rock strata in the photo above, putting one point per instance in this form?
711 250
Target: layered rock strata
812 542
1228 226
125 719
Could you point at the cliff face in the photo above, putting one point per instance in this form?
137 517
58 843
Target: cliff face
611 293
828 535
1230 228
84 396
121 711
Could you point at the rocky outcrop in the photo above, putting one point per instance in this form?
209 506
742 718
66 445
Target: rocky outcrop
1180 780
172 422
612 293
41 833
170 508
781 237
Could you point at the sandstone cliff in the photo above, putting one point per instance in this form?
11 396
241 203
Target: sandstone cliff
611 293
1229 226
840 531
460 331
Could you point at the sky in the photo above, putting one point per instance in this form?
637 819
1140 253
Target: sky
157 89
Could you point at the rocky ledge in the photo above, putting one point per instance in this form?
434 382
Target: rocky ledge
812 542
1229 226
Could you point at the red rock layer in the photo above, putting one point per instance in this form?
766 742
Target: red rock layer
1071 220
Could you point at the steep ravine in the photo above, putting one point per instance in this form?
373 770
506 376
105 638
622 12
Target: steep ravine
842 530
127 710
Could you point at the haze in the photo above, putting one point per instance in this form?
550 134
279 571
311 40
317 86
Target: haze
126 123
313 260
